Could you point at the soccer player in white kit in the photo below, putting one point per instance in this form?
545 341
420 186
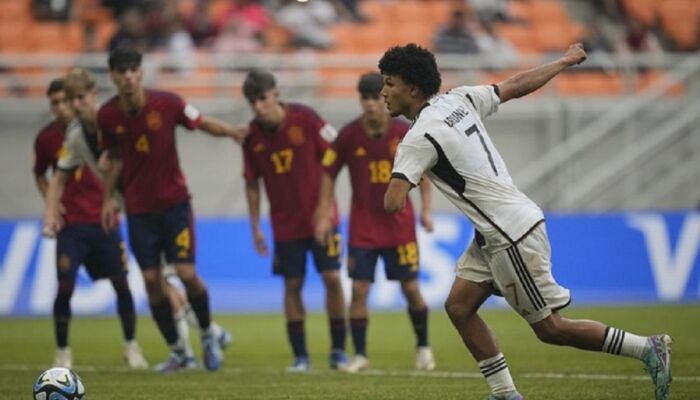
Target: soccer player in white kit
510 252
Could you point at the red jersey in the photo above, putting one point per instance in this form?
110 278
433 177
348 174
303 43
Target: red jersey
289 162
153 181
370 161
82 195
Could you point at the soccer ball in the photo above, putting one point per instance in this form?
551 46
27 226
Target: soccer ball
58 384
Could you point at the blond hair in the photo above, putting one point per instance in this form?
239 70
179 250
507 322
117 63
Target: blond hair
79 80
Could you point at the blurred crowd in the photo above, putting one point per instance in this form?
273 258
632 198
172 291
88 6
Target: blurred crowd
239 26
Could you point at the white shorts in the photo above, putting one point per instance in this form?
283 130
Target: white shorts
522 273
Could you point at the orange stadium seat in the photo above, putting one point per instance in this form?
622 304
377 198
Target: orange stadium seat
589 84
13 37
548 11
647 79
520 36
15 10
556 36
679 20
642 10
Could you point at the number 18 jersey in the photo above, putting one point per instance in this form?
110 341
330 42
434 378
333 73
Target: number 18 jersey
448 142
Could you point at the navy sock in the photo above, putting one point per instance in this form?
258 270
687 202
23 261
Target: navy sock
61 311
163 315
200 306
337 326
358 328
125 307
419 319
297 338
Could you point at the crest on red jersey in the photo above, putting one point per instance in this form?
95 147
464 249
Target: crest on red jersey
296 135
119 130
154 121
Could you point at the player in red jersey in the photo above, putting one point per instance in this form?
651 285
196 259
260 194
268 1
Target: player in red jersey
284 148
138 127
367 146
80 239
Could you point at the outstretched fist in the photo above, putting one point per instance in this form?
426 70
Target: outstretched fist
575 54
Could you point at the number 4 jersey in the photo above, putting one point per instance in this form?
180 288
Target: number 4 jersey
369 162
153 181
288 159
448 142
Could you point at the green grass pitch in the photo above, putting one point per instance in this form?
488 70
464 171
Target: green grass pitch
255 363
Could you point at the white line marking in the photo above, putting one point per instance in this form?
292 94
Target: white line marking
372 372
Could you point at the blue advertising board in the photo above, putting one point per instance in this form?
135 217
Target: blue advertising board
604 259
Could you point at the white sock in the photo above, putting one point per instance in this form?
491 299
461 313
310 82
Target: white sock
183 332
495 370
623 343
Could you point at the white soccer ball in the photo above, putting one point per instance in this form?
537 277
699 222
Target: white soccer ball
58 384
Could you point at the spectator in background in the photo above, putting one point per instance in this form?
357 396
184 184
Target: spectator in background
350 9
308 22
131 30
177 40
252 12
490 43
491 10
200 25
52 10
238 36
599 47
638 38
457 37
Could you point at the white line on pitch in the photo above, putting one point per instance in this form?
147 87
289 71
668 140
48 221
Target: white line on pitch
373 372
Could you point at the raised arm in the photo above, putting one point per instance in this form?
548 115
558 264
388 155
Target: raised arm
323 216
217 127
110 183
53 219
526 82
252 195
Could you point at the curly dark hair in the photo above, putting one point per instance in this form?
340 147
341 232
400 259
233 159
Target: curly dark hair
415 65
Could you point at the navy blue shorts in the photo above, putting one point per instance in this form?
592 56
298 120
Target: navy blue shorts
290 256
103 254
400 262
169 233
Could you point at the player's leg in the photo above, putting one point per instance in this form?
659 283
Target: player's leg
107 257
361 269
402 264
179 248
327 261
70 252
472 286
543 297
145 240
178 302
290 263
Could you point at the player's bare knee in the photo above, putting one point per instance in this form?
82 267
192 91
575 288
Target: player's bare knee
550 331
455 309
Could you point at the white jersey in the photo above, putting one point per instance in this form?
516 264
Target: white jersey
77 151
449 143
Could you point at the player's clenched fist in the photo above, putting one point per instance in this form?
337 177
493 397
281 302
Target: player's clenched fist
575 54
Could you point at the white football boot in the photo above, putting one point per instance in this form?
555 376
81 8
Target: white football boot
425 360
133 356
63 358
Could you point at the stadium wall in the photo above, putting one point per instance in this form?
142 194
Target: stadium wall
631 258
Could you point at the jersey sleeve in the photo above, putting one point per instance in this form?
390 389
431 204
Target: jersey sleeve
414 156
69 156
189 116
42 161
323 133
483 98
334 158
